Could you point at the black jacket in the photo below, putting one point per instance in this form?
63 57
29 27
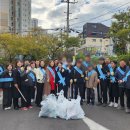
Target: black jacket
7 84
76 75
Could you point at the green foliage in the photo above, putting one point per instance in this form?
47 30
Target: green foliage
120 32
35 46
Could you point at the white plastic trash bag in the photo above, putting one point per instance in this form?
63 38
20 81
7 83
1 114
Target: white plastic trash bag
61 107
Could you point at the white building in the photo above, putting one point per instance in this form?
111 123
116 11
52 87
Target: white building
96 39
17 16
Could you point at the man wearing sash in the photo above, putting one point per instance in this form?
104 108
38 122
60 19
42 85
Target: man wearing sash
40 76
120 74
102 82
91 79
126 79
78 79
17 83
85 68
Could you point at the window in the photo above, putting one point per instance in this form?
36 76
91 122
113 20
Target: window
94 26
93 40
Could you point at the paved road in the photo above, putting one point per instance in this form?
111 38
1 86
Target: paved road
110 118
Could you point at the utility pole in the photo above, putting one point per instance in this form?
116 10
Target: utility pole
68 14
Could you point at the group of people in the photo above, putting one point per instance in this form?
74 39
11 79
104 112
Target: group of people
30 81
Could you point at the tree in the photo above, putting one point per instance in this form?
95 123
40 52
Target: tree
120 32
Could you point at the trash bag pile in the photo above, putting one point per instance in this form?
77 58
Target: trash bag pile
61 107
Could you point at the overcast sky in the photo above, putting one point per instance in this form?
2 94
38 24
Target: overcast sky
51 12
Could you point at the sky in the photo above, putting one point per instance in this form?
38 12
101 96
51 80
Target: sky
51 12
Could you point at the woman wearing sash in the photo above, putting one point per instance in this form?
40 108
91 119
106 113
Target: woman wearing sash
113 88
40 76
7 84
60 79
27 82
50 79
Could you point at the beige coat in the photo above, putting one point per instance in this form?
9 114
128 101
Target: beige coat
92 81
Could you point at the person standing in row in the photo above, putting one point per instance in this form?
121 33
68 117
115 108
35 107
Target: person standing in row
69 82
126 80
50 79
60 79
91 79
120 74
27 82
40 76
101 70
113 88
33 69
17 84
7 86
85 68
78 79
1 72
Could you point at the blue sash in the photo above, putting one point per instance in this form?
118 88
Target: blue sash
85 64
51 70
121 71
91 73
62 80
102 76
112 78
56 68
78 70
69 70
32 76
6 80
43 71
1 70
64 66
126 77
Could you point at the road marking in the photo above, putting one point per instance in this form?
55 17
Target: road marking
93 125
1 97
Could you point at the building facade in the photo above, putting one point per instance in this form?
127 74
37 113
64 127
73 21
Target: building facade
4 15
34 23
96 39
18 16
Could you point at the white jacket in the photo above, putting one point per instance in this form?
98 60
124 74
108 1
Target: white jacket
39 75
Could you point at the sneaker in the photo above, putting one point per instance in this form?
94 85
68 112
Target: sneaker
30 107
24 108
111 104
115 105
120 108
104 104
32 100
7 108
127 110
99 104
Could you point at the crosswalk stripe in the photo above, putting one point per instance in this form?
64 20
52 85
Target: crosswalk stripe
93 125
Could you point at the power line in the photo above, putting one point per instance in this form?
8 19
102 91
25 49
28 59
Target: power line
111 11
